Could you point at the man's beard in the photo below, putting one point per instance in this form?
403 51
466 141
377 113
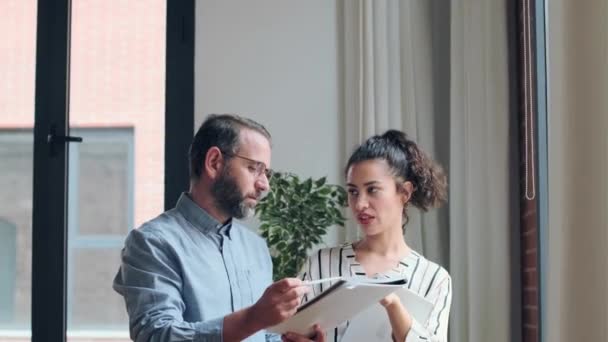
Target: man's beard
229 197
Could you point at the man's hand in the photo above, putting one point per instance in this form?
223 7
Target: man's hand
279 302
319 336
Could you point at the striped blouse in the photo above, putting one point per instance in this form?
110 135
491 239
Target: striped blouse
423 277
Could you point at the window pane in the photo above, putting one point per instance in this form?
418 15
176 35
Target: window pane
16 150
17 69
117 90
92 270
105 184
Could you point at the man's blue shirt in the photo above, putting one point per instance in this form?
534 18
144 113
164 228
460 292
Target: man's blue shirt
183 271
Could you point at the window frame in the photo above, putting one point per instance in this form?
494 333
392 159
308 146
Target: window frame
50 191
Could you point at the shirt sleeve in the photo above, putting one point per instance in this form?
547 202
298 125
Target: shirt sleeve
273 337
150 282
436 328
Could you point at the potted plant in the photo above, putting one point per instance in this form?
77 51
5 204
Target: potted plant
294 217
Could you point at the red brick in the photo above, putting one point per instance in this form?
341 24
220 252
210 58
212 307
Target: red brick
530 297
530 258
530 334
529 242
530 279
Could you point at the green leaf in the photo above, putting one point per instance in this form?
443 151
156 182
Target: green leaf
320 182
307 186
325 191
295 216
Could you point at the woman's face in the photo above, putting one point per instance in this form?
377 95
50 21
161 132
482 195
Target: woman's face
374 198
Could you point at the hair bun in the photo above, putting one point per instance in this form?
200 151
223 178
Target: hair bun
397 138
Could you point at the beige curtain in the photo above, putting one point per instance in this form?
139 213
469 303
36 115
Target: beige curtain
439 71
393 53
481 189
577 266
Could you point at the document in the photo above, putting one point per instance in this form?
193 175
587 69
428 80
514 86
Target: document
372 324
346 298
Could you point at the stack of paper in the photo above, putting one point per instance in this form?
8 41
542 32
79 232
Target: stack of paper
372 324
349 297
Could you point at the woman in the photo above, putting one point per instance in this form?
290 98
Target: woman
384 176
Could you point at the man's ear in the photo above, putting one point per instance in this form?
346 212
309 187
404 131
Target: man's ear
214 162
407 189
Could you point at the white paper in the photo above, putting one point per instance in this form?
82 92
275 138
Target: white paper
340 304
373 324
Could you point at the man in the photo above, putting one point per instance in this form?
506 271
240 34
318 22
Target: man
194 274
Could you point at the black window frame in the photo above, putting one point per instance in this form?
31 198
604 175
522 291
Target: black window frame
51 127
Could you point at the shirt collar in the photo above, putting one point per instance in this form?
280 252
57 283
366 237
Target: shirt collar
200 218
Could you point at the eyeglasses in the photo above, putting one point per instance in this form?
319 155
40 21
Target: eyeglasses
259 167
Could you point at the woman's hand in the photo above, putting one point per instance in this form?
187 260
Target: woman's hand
293 337
389 300
400 318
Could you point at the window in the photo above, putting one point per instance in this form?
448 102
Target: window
101 213
100 202
8 263
15 229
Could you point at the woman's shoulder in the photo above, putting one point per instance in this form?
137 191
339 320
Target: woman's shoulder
332 252
344 246
328 261
335 251
427 274
435 264
424 262
330 255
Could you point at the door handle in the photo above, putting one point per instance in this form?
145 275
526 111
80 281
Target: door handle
53 139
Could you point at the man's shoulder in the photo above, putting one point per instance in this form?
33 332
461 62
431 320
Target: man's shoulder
162 227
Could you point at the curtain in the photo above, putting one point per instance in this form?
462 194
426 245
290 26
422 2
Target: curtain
396 75
576 301
438 70
481 191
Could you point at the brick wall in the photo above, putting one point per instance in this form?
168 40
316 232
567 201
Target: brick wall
117 79
529 266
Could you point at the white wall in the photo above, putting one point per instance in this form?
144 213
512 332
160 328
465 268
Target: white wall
275 61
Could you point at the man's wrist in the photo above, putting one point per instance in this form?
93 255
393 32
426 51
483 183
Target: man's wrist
252 323
240 325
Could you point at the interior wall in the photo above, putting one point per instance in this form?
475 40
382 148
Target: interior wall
276 62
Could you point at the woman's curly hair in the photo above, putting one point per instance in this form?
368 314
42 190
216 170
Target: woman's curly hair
407 162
